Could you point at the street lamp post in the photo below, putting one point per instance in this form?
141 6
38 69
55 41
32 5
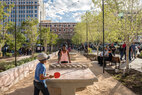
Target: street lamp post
87 32
103 35
15 34
40 31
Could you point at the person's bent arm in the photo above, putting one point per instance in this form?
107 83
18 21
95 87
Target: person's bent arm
59 57
69 58
42 77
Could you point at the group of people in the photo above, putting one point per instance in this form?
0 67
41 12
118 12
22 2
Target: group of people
109 52
133 51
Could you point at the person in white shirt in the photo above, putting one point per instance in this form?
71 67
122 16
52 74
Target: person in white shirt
100 58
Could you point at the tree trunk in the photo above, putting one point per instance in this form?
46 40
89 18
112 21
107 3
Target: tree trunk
51 48
97 52
45 46
127 54
32 50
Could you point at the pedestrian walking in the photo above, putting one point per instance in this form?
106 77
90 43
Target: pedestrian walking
124 50
133 50
130 53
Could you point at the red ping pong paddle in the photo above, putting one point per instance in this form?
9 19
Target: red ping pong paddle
57 74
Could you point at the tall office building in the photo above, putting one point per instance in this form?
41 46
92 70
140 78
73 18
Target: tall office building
25 9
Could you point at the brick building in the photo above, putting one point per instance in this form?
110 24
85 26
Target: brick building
65 30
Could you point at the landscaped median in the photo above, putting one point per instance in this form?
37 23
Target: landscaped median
13 75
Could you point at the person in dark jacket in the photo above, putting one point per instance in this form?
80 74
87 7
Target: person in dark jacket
121 50
113 49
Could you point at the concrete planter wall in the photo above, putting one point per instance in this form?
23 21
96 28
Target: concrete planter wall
14 75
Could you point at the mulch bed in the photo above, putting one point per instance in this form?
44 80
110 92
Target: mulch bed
92 57
133 80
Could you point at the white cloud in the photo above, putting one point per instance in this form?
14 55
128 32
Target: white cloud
58 8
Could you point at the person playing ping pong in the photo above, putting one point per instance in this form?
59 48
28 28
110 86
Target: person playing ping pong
41 76
64 55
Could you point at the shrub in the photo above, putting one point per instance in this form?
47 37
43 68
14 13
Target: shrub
7 65
9 54
140 54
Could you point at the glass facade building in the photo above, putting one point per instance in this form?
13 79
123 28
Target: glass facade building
25 9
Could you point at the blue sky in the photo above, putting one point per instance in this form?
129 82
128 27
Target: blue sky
66 10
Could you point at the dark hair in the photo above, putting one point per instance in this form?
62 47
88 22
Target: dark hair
63 45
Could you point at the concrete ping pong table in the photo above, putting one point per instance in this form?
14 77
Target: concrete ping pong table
71 78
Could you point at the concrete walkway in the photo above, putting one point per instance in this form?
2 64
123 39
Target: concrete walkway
136 64
13 58
106 85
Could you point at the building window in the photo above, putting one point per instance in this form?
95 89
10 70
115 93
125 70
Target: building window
35 7
35 11
35 15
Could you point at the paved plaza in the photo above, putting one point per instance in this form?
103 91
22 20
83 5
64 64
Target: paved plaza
106 85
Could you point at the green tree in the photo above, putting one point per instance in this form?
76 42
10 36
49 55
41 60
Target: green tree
45 37
128 24
10 37
52 40
30 30
93 20
4 13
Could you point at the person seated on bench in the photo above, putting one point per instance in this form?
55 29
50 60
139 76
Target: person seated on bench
64 56
100 58
109 57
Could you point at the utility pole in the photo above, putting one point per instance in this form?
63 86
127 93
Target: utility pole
15 34
103 36
3 21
